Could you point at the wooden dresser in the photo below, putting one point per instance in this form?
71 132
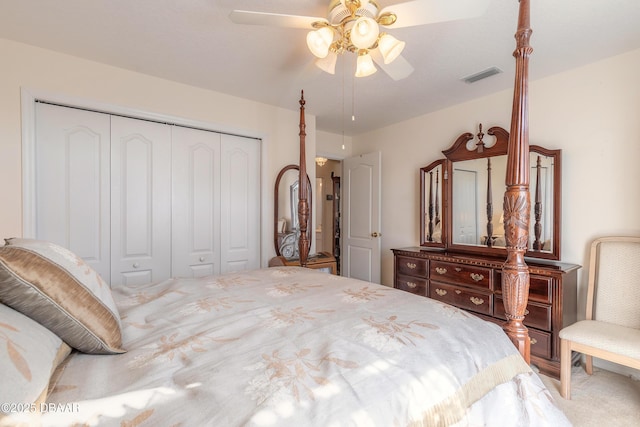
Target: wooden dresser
474 283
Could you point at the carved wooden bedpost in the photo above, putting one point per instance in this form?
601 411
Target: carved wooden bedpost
303 203
515 274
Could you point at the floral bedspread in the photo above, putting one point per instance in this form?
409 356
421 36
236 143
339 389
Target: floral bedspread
294 347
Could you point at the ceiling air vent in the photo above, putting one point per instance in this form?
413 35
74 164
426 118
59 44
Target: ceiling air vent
481 75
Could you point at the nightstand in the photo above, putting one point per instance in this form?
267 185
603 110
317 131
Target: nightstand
322 261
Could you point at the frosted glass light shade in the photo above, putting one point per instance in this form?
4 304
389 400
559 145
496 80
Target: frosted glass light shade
319 41
328 63
364 33
390 48
365 66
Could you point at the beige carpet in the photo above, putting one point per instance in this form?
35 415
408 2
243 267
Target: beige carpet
602 399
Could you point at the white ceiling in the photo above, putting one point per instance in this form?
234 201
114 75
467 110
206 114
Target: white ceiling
194 42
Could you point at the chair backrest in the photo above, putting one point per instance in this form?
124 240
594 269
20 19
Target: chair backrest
614 281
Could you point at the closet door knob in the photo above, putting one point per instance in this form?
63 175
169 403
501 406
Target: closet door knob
136 265
201 259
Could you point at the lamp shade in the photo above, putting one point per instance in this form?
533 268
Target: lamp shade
390 48
364 33
365 65
319 41
328 63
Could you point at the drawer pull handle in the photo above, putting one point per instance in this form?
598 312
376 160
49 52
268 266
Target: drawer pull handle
476 277
457 292
441 292
441 270
136 265
201 259
412 285
411 265
458 269
533 341
476 300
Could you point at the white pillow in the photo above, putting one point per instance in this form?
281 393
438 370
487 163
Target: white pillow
29 353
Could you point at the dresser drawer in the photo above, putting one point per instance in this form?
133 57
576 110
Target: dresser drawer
411 266
540 287
461 297
540 343
415 285
536 316
460 274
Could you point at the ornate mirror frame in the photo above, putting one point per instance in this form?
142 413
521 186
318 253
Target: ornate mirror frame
278 233
546 196
432 202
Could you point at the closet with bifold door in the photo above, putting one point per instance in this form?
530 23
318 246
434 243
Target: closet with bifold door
142 201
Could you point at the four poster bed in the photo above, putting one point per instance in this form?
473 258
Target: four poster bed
275 346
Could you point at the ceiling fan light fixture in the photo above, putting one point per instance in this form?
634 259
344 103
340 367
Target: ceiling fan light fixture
319 41
364 66
356 4
390 47
328 63
364 33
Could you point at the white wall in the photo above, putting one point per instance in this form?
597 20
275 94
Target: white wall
43 71
591 113
333 146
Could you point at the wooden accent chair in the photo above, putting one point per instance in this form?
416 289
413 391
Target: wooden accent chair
611 330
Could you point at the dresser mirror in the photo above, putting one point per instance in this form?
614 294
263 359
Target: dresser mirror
286 229
472 178
431 204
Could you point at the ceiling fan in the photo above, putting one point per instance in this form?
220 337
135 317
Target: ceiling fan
355 26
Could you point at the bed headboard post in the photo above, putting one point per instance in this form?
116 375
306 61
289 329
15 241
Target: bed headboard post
303 202
517 203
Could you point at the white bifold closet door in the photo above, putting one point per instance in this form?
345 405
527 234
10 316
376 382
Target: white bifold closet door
142 201
196 203
240 201
72 182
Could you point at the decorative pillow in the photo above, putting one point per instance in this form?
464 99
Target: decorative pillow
57 289
29 353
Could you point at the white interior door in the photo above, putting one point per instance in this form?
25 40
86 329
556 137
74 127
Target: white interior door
240 203
360 256
196 202
141 201
72 182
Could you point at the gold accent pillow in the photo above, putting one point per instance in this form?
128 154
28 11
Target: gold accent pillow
57 289
29 353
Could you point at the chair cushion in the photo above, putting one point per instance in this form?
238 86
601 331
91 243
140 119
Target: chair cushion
607 336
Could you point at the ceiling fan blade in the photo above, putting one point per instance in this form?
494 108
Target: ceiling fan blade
421 12
399 69
273 19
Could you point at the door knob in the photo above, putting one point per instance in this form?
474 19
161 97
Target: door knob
376 234
136 265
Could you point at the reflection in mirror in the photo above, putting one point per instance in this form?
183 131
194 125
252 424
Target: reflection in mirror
432 182
541 219
286 226
477 189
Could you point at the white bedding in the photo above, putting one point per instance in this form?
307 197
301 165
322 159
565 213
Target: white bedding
293 347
